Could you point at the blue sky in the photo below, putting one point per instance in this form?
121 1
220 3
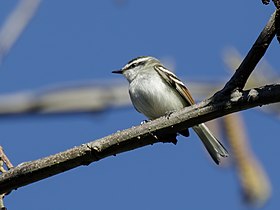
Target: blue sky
77 41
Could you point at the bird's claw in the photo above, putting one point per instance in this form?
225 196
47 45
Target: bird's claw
144 121
168 114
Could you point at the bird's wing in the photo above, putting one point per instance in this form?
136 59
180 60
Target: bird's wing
173 81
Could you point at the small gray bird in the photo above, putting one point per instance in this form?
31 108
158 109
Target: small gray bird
155 92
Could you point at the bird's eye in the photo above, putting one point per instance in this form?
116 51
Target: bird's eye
133 65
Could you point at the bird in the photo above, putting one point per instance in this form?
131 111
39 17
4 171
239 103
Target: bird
155 92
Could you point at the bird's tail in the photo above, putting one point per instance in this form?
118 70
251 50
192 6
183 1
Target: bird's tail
211 143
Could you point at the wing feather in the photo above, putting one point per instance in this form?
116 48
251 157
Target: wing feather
176 83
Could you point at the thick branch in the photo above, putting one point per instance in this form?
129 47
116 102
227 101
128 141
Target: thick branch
136 137
239 79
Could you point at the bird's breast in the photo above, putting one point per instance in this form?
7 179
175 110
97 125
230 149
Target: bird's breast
154 98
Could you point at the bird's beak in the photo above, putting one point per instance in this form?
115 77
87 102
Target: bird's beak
117 72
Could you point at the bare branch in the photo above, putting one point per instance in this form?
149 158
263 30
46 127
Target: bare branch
277 16
239 79
135 137
5 159
78 97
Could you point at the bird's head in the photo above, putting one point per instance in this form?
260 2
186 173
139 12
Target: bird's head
136 65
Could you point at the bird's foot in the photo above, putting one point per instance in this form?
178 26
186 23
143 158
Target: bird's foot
168 114
144 121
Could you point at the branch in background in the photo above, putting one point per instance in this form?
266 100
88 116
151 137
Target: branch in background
79 97
240 77
15 24
135 137
65 98
254 183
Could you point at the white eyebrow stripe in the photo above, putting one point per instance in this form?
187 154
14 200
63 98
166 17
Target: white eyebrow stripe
141 59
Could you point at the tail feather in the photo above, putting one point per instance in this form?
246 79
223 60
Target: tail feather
211 143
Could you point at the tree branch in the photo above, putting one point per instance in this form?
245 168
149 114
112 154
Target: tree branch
135 137
277 16
13 28
240 77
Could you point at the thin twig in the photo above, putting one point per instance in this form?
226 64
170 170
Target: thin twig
5 159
